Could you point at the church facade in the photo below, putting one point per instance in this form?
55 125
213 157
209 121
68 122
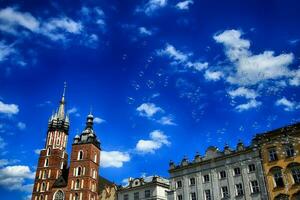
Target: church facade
54 179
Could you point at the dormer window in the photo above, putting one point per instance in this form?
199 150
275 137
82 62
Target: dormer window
80 155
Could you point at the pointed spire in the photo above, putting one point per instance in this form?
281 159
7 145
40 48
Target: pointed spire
61 109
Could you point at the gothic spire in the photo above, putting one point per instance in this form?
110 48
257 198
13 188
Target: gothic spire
61 109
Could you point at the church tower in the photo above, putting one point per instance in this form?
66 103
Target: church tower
53 158
84 164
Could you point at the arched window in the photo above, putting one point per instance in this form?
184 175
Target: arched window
41 197
59 195
43 187
277 175
94 174
46 163
295 171
79 171
45 174
77 184
80 155
76 196
48 152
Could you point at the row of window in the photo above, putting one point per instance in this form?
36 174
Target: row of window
80 184
136 195
80 156
79 171
278 178
239 191
222 175
58 139
289 152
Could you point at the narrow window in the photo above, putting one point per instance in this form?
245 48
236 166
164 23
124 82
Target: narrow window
43 187
222 174
179 197
206 178
192 181
80 155
277 174
76 196
237 171
79 170
193 196
251 168
225 193
296 174
95 158
179 184
290 152
147 193
77 184
254 186
125 197
207 195
46 163
239 189
48 152
136 196
272 155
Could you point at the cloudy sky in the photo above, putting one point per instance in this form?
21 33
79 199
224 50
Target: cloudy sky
164 78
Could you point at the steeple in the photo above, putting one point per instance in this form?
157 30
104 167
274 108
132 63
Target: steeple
61 109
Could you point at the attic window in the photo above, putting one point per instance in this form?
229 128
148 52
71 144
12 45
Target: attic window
136 182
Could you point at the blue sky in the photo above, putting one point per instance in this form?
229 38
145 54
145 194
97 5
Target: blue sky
164 79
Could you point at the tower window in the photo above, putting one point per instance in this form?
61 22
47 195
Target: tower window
77 184
80 155
94 174
43 187
48 152
76 196
79 171
95 158
59 195
46 163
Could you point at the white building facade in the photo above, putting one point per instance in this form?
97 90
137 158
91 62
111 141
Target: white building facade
231 174
150 188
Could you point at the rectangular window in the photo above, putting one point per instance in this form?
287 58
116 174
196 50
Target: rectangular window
272 155
296 174
237 171
147 193
225 193
222 174
136 196
239 189
179 197
289 149
179 184
251 167
206 178
254 187
193 196
207 195
192 181
125 197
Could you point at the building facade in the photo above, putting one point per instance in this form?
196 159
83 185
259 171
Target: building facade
228 174
54 179
280 152
152 188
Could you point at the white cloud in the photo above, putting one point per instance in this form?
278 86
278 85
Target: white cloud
213 75
148 109
184 5
10 109
72 110
37 151
2 143
98 120
5 162
144 31
166 120
295 80
114 158
151 6
157 140
252 69
11 20
179 57
14 178
6 51
21 125
250 104
243 92
287 104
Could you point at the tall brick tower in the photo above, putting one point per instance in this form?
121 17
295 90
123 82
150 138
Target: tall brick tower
53 158
84 165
